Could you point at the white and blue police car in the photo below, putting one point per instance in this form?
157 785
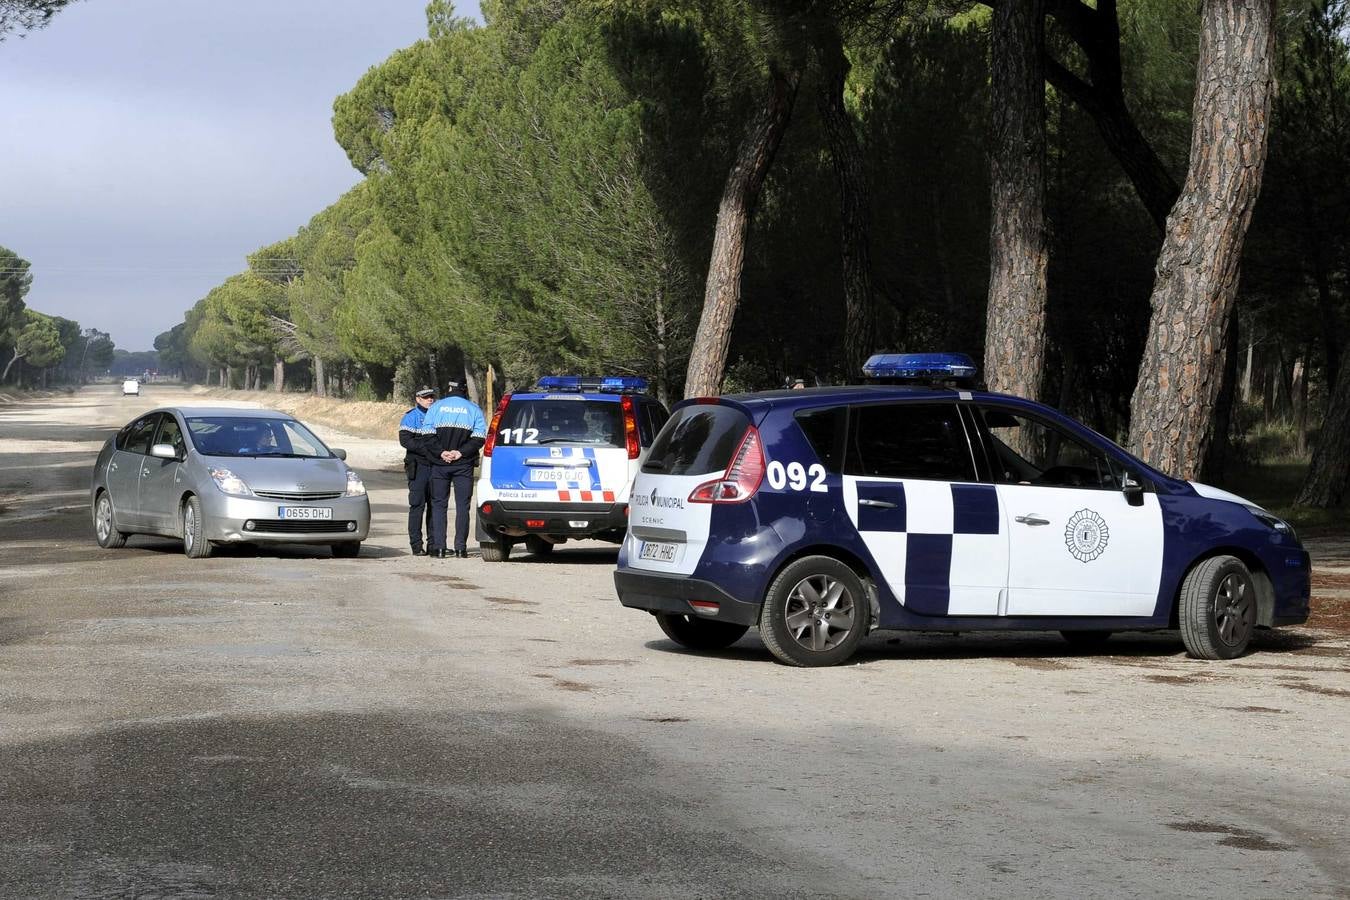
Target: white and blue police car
819 515
558 462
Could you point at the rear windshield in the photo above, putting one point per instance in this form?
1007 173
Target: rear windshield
594 422
244 436
697 440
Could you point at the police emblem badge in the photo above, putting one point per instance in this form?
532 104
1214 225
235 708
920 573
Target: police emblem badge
1086 535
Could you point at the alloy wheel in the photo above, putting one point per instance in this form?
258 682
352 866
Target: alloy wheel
819 612
1234 611
103 518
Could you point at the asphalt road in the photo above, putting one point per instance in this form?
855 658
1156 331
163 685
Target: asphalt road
283 724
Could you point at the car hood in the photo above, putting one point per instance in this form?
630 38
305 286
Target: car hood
291 475
1213 493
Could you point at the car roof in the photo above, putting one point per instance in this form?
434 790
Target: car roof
225 412
569 395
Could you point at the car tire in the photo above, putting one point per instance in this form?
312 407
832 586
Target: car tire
346 550
795 621
495 551
195 545
1218 608
697 633
538 546
105 525
1086 640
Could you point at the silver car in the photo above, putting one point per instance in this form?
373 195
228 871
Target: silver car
210 476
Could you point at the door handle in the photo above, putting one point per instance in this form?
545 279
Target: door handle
1031 519
879 504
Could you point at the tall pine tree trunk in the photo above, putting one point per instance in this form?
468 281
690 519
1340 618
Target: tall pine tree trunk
1328 481
320 385
279 376
1195 286
1014 344
854 209
722 293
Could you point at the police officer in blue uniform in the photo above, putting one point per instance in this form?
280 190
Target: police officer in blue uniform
452 434
417 466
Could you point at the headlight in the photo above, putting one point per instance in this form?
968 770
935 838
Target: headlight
355 486
230 483
1272 521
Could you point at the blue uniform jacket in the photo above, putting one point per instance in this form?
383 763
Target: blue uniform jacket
410 436
453 423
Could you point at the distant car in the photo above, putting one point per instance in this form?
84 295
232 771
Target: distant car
131 386
558 462
821 514
215 476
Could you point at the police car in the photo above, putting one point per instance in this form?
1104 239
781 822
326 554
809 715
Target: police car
819 515
558 462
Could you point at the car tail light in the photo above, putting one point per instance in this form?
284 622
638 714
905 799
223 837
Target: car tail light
630 431
707 607
742 477
534 523
496 420
487 509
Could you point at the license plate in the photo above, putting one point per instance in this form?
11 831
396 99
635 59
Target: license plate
658 551
305 512
556 475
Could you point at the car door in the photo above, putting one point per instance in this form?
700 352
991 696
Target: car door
160 478
911 488
1078 546
123 475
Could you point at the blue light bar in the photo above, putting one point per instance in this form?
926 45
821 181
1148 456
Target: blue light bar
613 384
920 366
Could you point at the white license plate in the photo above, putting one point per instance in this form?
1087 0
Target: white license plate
658 551
557 475
305 512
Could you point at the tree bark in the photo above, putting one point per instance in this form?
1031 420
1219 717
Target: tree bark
1329 472
15 358
1014 344
320 386
279 376
1195 286
722 292
854 205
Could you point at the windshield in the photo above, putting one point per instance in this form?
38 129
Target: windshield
577 421
244 436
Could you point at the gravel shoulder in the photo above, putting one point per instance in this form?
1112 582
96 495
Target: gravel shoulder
288 724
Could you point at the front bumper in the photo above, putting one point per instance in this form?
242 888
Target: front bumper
657 592
574 520
226 519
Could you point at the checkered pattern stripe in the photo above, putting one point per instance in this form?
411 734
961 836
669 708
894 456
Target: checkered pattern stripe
939 545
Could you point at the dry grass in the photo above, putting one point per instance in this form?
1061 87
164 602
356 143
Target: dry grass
360 417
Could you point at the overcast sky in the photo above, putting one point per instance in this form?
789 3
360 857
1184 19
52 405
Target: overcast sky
147 146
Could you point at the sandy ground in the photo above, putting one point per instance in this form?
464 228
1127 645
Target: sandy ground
284 724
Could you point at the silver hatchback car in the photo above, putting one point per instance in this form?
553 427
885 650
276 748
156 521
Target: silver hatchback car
211 475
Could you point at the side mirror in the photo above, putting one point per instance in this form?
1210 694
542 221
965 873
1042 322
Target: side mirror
164 451
1133 490
339 453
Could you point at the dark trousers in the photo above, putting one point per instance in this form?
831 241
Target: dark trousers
443 478
419 503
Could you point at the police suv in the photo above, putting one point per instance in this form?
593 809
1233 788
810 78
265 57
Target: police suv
558 462
819 515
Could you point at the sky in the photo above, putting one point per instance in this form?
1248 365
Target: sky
147 146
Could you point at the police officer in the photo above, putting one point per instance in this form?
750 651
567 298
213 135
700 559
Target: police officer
417 466
452 434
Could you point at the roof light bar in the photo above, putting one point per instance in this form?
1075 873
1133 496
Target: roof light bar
924 367
612 384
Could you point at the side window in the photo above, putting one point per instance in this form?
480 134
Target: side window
824 430
170 433
138 439
1024 450
642 414
659 417
909 440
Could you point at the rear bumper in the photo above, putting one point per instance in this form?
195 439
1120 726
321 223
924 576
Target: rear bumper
515 518
671 594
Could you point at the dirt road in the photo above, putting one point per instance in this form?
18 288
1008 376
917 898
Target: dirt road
285 724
